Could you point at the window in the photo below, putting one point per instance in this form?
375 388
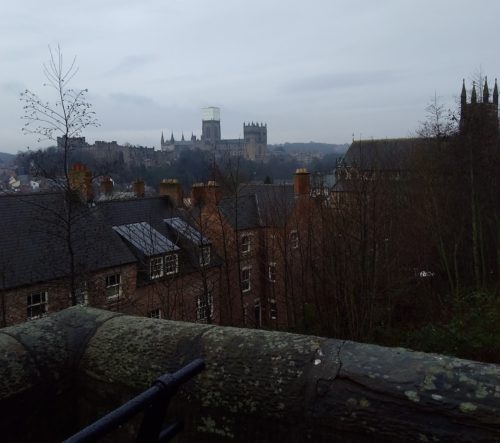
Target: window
245 279
113 286
294 239
81 295
204 255
171 264
272 272
156 267
257 313
155 313
37 305
204 307
246 243
273 310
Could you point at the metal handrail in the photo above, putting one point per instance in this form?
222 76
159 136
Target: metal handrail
154 402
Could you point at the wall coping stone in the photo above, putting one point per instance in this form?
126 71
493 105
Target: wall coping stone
257 382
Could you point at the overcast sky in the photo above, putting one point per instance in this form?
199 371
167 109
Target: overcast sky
316 70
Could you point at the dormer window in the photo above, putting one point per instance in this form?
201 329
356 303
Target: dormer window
156 267
246 243
204 255
171 264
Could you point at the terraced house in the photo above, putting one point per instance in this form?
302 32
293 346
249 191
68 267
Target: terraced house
263 234
137 256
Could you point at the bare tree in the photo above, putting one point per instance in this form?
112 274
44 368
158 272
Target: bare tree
440 123
60 119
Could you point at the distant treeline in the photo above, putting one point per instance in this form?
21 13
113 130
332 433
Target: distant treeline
7 159
190 167
320 148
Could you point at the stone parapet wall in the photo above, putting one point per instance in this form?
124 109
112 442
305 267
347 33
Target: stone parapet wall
257 386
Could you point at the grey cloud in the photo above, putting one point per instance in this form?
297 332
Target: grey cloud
12 87
130 99
343 80
131 63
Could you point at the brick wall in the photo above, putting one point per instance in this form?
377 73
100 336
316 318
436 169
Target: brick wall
14 302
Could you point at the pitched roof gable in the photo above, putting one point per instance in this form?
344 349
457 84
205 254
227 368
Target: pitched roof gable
34 239
388 154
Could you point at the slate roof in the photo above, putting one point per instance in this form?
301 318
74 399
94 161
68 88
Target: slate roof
274 202
186 230
258 205
145 239
152 210
240 212
388 154
33 246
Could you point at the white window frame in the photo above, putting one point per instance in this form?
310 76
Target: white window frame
272 272
156 268
273 309
155 313
246 246
204 304
43 303
81 295
257 309
113 288
171 264
294 239
204 255
246 283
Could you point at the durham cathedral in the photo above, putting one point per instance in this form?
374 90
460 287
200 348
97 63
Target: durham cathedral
253 146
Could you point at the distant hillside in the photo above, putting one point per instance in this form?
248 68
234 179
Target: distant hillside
6 159
322 148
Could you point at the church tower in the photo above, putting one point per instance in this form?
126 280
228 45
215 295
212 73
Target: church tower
255 147
210 125
479 116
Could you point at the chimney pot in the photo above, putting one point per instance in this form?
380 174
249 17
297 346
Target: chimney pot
301 184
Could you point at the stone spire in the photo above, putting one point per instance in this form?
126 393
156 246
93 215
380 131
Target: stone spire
162 139
486 91
495 93
172 140
463 97
473 98
182 137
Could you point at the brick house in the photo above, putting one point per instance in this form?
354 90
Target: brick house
136 256
177 270
258 233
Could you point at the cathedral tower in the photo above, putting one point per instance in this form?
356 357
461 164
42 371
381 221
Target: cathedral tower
255 140
210 129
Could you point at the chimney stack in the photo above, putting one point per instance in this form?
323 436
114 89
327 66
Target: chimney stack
301 184
80 179
172 188
213 192
197 194
138 188
106 186
209 193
